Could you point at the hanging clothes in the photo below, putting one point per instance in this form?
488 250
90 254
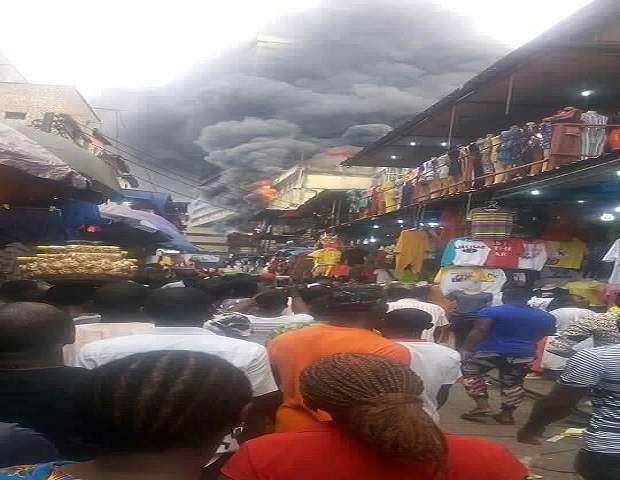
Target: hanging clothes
566 254
510 150
491 222
454 166
504 253
534 256
389 196
592 138
566 139
451 279
533 150
410 250
485 146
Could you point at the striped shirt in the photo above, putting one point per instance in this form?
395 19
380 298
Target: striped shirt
491 223
599 369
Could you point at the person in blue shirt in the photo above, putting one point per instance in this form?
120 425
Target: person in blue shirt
503 338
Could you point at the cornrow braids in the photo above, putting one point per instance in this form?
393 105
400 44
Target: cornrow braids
376 400
163 399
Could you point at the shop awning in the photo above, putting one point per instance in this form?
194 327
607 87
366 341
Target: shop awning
20 152
101 176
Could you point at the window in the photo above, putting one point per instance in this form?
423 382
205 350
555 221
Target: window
15 115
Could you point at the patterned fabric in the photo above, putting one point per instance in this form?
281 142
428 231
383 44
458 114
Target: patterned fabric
491 223
599 370
512 371
43 471
593 138
511 148
546 130
230 325
485 145
601 327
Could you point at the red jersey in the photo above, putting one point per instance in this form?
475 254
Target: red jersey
504 253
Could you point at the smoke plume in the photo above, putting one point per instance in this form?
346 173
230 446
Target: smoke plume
314 88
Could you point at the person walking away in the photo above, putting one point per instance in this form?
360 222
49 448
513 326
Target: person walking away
156 415
37 389
594 371
573 309
179 314
119 305
270 314
74 300
379 432
401 297
348 316
504 337
439 367
601 328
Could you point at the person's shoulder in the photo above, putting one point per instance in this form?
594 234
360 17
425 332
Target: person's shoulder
298 333
114 342
604 353
433 348
495 455
322 430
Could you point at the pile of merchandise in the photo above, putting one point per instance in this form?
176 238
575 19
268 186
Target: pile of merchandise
78 261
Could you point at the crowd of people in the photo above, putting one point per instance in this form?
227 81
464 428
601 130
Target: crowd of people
233 378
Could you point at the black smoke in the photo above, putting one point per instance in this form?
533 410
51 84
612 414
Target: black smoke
341 75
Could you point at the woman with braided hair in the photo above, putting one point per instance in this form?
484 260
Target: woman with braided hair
157 415
379 431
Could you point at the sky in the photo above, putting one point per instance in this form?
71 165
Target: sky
237 91
148 43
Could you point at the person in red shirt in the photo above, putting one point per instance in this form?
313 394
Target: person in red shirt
379 431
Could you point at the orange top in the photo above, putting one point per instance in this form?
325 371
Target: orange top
291 352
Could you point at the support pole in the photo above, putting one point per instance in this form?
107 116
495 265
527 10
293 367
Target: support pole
451 130
509 94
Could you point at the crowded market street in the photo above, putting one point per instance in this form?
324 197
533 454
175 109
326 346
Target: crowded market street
280 240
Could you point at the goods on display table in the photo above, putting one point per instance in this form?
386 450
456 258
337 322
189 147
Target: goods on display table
78 261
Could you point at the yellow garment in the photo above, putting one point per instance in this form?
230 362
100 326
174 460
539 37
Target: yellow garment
410 250
614 309
566 254
590 289
390 196
325 256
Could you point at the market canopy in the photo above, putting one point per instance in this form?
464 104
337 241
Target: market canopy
148 222
22 153
99 175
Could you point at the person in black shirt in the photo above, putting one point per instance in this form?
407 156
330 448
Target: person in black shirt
37 390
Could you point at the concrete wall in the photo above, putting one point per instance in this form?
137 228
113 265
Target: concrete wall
299 184
35 100
207 239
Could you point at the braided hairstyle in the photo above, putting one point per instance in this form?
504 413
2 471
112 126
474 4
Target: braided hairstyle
376 400
163 399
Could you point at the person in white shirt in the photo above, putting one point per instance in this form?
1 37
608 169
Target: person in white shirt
178 314
438 366
119 305
400 297
572 309
269 312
